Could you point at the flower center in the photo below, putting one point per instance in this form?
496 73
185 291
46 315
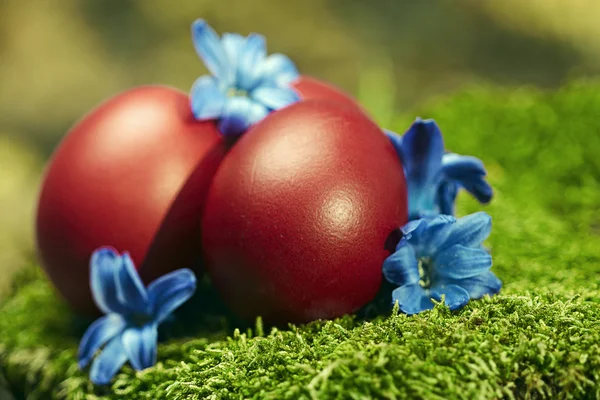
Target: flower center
139 319
236 92
425 272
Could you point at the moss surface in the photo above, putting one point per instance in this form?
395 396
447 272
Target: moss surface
540 338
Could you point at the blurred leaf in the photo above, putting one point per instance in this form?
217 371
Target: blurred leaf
573 21
377 89
20 171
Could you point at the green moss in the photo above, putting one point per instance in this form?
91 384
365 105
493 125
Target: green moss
540 338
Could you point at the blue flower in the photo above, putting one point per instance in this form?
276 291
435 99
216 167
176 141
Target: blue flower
438 256
245 85
128 331
434 176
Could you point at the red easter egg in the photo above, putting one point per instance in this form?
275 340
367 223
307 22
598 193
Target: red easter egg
297 217
132 174
313 89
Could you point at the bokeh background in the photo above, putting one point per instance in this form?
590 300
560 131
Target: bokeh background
59 58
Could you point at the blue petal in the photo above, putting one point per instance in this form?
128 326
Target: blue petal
469 172
140 345
422 151
412 299
415 226
130 289
460 262
96 336
427 234
436 232
207 98
470 230
274 98
460 168
250 62
170 291
446 196
455 296
279 70
208 46
233 43
482 284
402 267
106 365
479 188
239 114
396 142
104 265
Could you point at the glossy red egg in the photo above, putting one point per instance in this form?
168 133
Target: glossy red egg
314 89
298 214
132 174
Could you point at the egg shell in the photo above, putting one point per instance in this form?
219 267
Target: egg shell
132 174
298 214
310 88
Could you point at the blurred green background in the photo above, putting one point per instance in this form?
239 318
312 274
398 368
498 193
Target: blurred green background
59 58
